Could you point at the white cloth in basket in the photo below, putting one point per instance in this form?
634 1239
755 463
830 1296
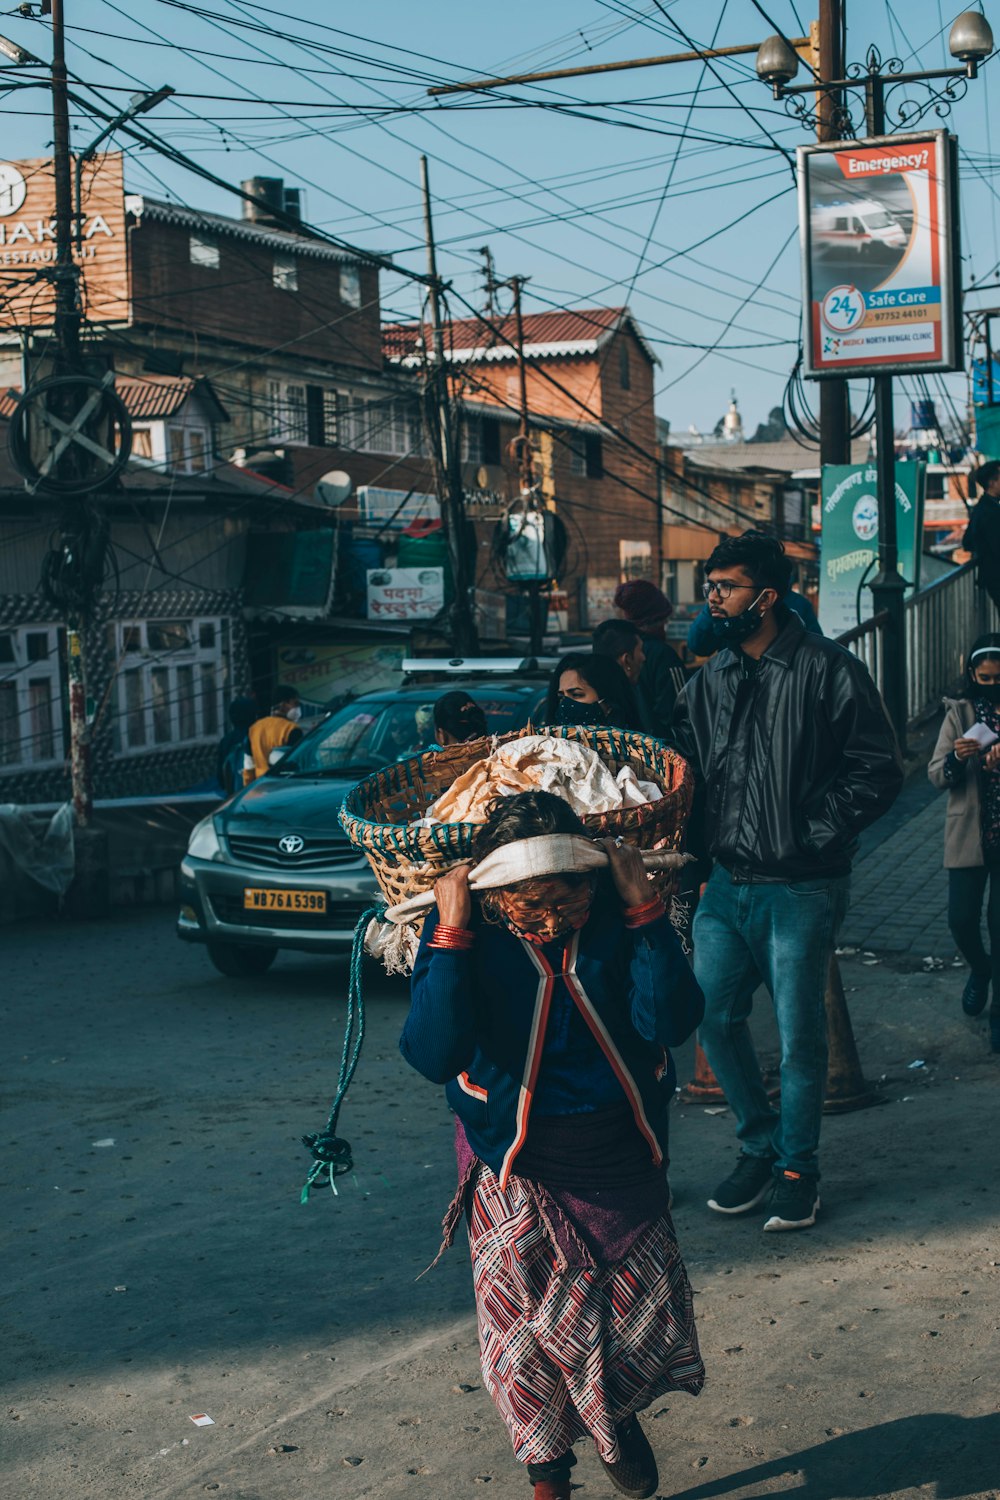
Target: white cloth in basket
540 762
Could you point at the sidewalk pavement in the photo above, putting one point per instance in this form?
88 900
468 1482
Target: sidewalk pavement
899 888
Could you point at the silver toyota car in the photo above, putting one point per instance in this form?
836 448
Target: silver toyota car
272 868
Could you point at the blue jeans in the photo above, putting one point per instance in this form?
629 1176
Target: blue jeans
781 936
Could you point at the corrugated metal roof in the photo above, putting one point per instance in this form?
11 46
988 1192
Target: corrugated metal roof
141 207
147 398
549 335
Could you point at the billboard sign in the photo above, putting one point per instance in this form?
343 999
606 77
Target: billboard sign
28 242
395 508
879 255
849 538
405 593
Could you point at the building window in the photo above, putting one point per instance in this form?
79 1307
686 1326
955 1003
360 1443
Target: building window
285 273
177 450
31 728
624 370
586 455
296 418
635 560
142 443
171 684
350 285
202 252
472 441
490 431
593 457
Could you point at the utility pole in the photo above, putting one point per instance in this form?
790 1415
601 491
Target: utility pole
889 586
834 395
67 330
465 638
526 464
67 297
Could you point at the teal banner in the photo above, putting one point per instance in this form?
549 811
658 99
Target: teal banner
849 538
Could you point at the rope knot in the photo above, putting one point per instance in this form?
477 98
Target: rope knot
330 1152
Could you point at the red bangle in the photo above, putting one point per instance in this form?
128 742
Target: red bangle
650 911
459 938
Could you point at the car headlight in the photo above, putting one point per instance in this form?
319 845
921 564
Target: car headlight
204 840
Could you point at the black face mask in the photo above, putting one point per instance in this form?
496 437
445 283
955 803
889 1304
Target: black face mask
988 692
587 714
733 630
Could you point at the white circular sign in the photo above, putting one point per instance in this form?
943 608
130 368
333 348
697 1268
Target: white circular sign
13 188
843 308
865 518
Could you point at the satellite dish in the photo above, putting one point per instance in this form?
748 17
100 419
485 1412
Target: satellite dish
334 488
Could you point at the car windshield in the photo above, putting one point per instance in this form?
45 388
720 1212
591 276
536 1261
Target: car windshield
369 734
878 219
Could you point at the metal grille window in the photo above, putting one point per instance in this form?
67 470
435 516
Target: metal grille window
31 727
171 684
296 418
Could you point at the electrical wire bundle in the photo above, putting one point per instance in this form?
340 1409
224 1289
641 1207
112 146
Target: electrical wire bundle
801 420
79 560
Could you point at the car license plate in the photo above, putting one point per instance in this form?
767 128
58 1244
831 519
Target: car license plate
263 900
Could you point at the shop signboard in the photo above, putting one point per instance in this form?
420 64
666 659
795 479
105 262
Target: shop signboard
325 673
395 509
849 539
28 241
405 593
879 237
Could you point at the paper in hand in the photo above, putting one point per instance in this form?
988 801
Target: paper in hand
983 735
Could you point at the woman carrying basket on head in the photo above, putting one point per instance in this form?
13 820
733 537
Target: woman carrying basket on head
546 1008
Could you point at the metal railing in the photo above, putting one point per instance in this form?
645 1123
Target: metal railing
940 622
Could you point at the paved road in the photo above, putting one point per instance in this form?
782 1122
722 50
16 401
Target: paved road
160 1265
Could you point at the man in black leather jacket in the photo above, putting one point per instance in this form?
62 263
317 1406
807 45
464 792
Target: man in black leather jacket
790 741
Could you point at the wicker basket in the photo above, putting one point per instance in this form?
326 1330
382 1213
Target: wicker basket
378 815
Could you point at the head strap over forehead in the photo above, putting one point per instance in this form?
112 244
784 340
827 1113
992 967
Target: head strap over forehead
985 651
534 859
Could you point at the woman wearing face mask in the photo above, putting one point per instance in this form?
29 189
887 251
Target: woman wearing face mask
591 690
546 1008
966 763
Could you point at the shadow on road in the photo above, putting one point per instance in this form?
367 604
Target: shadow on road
959 1455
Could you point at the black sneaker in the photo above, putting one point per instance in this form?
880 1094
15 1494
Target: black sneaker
635 1473
794 1202
744 1188
976 994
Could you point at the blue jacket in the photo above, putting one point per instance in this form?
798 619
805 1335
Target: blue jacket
701 637
477 1021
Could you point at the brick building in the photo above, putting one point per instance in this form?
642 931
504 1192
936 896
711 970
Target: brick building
589 378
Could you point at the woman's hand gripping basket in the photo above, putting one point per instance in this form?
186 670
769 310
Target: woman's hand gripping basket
381 814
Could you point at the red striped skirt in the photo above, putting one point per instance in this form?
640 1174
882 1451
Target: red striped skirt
574 1351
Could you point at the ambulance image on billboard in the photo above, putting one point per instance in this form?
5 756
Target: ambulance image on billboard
879 252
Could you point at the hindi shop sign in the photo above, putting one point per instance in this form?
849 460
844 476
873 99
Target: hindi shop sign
405 593
28 241
849 540
879 236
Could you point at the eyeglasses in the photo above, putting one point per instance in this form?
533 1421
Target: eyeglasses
723 588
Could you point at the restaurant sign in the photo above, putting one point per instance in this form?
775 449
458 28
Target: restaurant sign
28 241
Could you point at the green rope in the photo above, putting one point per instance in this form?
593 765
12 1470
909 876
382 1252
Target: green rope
331 1153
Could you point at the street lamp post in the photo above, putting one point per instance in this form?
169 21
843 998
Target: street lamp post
970 41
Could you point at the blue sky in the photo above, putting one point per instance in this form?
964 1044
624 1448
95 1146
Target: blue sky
663 187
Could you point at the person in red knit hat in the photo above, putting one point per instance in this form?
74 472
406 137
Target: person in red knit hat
662 677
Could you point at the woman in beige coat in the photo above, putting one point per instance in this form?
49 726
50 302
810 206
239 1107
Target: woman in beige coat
966 763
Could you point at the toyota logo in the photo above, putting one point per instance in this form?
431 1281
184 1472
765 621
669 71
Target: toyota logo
291 844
